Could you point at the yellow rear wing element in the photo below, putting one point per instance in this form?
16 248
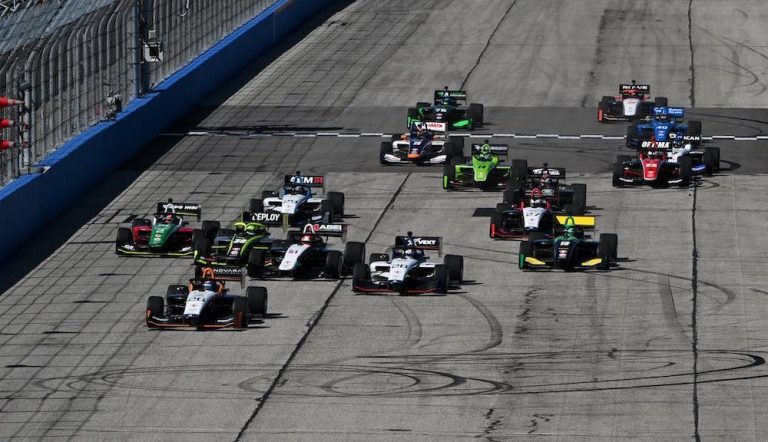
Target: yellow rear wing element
581 221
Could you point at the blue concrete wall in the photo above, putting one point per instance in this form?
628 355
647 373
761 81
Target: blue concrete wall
30 202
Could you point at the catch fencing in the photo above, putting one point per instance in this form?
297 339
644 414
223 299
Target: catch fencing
76 62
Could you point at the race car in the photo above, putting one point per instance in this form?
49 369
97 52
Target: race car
425 144
571 251
483 170
205 303
295 204
449 107
665 126
165 234
214 246
568 198
633 102
304 254
657 165
408 269
538 215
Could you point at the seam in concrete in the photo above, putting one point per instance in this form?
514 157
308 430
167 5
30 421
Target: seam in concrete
694 322
487 44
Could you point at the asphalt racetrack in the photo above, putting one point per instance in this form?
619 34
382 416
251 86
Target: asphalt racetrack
670 345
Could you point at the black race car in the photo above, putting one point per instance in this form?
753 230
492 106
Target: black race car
448 107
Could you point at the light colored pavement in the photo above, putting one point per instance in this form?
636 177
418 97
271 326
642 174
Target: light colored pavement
668 346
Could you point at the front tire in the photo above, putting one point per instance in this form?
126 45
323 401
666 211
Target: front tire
441 278
354 252
255 266
257 301
155 307
334 261
256 205
240 312
337 202
455 266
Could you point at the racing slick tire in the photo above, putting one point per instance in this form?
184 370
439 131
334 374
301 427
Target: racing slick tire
579 198
334 264
455 266
470 115
518 173
124 236
257 301
458 146
526 250
326 208
354 252
711 159
268 194
694 128
337 201
210 228
607 248
155 307
442 282
413 114
240 311
602 107
256 205
496 220
449 174
512 196
374 257
661 101
360 273
632 138
479 111
686 167
255 267
385 148
200 244
644 109
618 173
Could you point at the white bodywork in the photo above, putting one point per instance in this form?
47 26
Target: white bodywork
630 106
404 145
532 216
292 255
289 204
196 301
397 270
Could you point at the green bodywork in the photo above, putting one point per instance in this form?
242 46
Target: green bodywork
479 170
458 124
247 237
160 234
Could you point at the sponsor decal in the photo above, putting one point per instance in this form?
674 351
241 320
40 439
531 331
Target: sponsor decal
328 228
422 242
636 87
306 180
225 271
265 217
656 144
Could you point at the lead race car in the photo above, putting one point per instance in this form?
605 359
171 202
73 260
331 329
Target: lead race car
633 102
206 303
484 170
571 251
165 234
426 143
295 203
408 269
449 106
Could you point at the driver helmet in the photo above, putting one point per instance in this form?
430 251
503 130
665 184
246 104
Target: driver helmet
208 286
662 117
239 227
251 228
536 199
546 178
306 239
409 253
421 130
168 219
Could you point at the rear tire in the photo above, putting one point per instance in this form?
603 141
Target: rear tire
442 280
661 101
512 196
479 111
618 173
386 147
256 205
240 312
413 114
470 115
608 246
496 220
455 266
711 155
255 268
360 273
155 307
579 199
337 201
686 166
200 245
210 228
334 262
518 173
458 146
632 136
526 250
257 301
354 252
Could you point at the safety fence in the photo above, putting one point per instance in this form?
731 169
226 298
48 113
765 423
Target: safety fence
75 62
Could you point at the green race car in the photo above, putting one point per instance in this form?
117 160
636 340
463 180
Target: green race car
484 170
214 246
165 234
449 107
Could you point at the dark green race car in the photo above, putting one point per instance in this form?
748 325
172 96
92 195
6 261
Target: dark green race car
214 246
165 234
483 170
448 107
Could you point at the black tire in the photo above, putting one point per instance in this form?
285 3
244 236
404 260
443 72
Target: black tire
645 109
176 289
607 99
694 128
512 196
500 207
334 260
455 266
449 174
458 146
579 198
337 201
496 220
618 172
386 147
255 266
526 250
200 244
608 246
354 252
631 140
518 173
479 111
240 312
268 194
711 155
155 307
124 236
360 273
470 115
257 301
661 101
256 205
686 167
413 114
442 282
378 257
326 208
210 228
623 158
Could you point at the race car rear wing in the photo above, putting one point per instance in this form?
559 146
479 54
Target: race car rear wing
456 95
305 180
434 126
496 149
266 218
421 243
183 209
554 172
582 221
644 88
326 230
220 273
678 112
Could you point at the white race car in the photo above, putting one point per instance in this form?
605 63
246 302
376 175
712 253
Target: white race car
426 143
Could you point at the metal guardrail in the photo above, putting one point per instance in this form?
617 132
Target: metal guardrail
80 61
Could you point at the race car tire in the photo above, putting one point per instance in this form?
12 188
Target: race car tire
176 289
375 257
458 146
694 128
255 267
607 247
268 194
479 111
256 205
518 173
413 114
442 282
449 174
240 311
526 250
601 109
618 173
386 147
334 262
422 104
337 201
631 140
326 208
686 167
354 252
455 266
661 101
496 220
579 198
124 236
644 109
257 301
470 115
155 307
711 155
360 273
210 228
607 99
200 243
512 196
395 137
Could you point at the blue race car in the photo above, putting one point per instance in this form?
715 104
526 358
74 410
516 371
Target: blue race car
665 126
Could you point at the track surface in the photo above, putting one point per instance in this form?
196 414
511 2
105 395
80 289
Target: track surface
670 346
